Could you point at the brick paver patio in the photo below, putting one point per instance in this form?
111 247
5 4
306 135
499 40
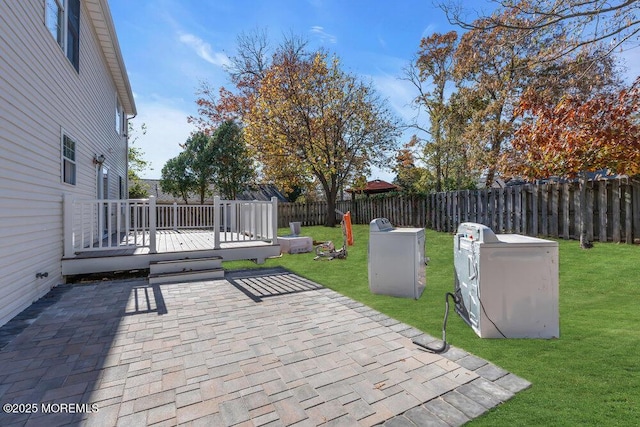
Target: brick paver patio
265 347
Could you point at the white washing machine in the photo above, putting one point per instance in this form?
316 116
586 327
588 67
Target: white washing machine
396 260
506 284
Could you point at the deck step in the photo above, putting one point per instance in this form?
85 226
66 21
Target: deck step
185 270
185 265
186 276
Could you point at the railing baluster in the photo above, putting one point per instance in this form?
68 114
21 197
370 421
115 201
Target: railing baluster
152 225
109 226
216 222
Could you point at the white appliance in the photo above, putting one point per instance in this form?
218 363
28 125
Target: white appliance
506 284
396 260
295 244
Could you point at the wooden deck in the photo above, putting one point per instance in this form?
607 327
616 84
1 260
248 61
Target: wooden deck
170 245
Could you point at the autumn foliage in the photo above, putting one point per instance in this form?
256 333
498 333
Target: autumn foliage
311 120
577 136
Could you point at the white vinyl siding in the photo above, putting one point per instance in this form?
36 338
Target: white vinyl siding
43 98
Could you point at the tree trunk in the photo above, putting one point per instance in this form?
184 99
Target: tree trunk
331 208
331 192
491 174
584 238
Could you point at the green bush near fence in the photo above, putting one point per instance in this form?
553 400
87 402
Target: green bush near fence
589 376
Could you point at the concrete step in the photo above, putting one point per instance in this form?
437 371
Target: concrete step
186 276
185 265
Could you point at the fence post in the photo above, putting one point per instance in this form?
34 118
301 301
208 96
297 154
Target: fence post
628 211
216 222
517 203
565 210
615 210
602 210
500 209
534 210
67 212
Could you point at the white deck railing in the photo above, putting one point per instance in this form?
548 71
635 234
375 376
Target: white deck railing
114 224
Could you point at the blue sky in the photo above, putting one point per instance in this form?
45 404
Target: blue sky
169 46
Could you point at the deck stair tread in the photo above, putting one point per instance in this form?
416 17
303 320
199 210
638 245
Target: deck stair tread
187 259
187 276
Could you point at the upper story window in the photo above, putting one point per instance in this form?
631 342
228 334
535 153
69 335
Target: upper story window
119 121
63 21
68 160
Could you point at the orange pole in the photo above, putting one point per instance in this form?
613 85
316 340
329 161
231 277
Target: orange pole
347 226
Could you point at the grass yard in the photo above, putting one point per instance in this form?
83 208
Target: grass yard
589 376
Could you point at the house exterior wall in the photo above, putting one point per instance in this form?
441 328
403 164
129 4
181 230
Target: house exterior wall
42 97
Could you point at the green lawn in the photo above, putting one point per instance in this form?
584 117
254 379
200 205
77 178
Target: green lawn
589 376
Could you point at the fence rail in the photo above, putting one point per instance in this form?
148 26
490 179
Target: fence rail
551 210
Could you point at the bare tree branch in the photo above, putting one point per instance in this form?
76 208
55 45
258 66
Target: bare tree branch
589 22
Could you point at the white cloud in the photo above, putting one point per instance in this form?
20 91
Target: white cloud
204 50
324 36
429 30
631 62
399 93
167 128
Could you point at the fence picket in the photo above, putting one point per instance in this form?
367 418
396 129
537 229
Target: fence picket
565 210
628 214
602 210
615 211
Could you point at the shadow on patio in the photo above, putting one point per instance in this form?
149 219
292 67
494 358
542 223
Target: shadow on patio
126 353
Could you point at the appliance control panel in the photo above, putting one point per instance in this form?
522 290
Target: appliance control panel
476 233
380 224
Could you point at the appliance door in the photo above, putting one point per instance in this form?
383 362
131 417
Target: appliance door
466 269
421 272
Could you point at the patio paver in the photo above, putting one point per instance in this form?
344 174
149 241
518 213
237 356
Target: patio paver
208 353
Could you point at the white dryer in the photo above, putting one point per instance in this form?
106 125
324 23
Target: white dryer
396 260
506 284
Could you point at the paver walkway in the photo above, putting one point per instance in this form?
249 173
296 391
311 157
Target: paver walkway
265 347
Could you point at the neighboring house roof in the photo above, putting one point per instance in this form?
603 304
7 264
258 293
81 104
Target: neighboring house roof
374 187
261 192
100 16
252 192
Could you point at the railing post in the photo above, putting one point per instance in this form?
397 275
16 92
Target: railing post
67 212
216 222
152 225
274 220
175 216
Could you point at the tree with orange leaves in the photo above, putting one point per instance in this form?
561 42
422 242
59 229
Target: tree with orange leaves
311 120
576 136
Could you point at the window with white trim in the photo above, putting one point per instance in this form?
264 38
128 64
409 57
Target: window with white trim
68 160
118 116
62 18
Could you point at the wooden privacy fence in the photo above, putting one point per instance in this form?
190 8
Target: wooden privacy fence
551 210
